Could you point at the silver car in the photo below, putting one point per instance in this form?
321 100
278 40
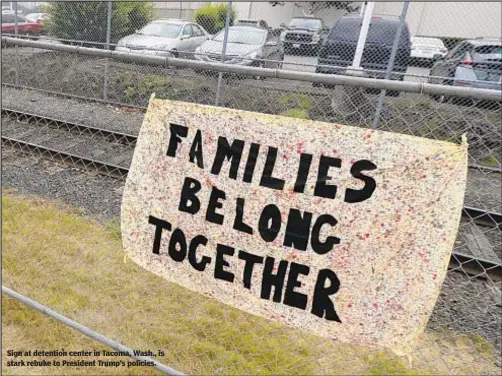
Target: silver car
426 51
170 37
246 45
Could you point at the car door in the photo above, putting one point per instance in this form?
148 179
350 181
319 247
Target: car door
187 42
199 36
446 67
8 23
271 49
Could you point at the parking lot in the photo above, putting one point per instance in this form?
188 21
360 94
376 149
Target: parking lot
308 63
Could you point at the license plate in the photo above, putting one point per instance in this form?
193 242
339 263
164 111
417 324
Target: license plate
296 45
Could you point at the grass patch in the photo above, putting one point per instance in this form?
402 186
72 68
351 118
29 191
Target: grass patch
76 266
298 100
296 113
490 161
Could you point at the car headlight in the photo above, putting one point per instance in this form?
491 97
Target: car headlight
316 38
252 55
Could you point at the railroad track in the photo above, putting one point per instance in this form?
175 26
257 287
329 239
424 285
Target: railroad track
110 153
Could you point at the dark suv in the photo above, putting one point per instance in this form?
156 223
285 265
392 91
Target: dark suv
339 49
304 35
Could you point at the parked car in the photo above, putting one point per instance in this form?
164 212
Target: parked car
425 51
169 37
474 63
338 52
24 26
304 35
254 23
37 17
245 46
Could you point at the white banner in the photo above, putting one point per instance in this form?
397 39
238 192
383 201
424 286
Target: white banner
341 231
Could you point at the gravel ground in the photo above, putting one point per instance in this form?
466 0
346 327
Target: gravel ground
75 111
465 305
94 195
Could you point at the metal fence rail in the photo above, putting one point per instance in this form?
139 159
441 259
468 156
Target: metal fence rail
88 332
349 80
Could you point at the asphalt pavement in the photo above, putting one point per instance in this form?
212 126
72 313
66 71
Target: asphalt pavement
308 63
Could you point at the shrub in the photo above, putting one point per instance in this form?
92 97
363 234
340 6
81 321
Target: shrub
212 17
87 20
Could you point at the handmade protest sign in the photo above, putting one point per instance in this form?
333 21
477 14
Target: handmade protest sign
341 231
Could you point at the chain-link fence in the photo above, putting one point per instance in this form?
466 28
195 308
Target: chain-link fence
67 106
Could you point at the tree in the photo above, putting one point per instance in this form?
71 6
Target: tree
315 6
87 20
212 17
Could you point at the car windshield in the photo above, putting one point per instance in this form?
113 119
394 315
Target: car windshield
161 29
427 42
242 35
307 23
378 32
488 53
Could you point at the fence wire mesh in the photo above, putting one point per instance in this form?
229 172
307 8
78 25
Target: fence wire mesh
64 112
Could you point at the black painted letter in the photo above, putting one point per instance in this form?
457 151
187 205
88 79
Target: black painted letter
192 253
196 150
188 194
321 188
178 237
298 229
317 246
291 297
355 195
219 273
160 225
267 180
233 153
269 231
250 260
214 204
322 305
269 279
238 222
177 131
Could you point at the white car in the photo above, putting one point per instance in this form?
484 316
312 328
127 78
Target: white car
427 49
170 37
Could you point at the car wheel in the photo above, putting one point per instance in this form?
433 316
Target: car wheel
261 64
280 63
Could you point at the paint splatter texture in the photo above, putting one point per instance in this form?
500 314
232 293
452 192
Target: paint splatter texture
341 231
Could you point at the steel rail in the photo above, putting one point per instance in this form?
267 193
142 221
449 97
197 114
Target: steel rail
479 216
126 138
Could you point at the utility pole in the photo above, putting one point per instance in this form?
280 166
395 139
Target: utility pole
368 12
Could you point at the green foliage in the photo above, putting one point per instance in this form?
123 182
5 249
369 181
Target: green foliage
301 100
212 17
316 6
87 20
297 113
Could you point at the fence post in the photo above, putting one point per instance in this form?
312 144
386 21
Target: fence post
390 65
108 33
225 37
16 51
